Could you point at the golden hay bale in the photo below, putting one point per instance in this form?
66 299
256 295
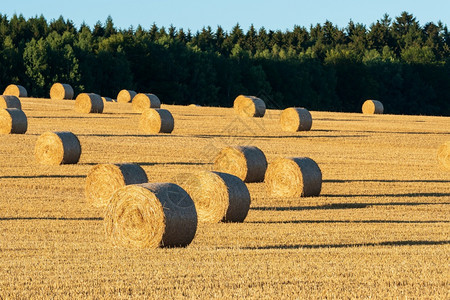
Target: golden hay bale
293 177
249 106
372 107
107 99
295 119
156 121
104 179
143 101
217 196
151 215
89 103
61 91
443 155
15 90
194 105
246 162
13 120
125 96
8 101
59 147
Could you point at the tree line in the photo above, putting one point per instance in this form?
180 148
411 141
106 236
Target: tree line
397 61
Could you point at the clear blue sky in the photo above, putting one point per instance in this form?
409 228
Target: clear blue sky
194 14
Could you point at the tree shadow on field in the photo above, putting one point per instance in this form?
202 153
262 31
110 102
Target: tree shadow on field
324 246
383 180
42 176
342 206
348 222
50 218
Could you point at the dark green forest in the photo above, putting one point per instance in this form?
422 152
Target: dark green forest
398 61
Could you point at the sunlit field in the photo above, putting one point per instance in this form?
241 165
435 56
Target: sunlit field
379 229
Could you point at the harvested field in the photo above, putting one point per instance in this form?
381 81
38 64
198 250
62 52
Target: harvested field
380 227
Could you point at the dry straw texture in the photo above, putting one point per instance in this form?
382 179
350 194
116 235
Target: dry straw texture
56 148
151 215
15 90
143 101
249 106
217 196
293 177
246 162
107 99
88 103
444 155
13 120
125 96
8 101
372 107
295 119
60 91
104 179
156 121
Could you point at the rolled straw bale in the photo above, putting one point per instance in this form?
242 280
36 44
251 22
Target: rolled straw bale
59 147
444 155
151 215
249 106
13 120
246 162
194 105
89 103
104 179
156 121
143 101
293 177
372 107
60 91
8 101
217 196
107 99
125 96
15 90
295 119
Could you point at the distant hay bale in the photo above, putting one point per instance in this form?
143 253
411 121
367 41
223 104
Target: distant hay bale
246 162
61 91
142 101
249 106
293 177
156 121
372 107
295 119
444 155
15 90
194 105
125 96
217 196
104 179
13 120
89 103
107 99
151 215
59 147
8 101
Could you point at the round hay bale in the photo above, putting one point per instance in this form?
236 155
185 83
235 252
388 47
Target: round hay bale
104 179
249 106
89 103
372 107
13 120
56 148
194 105
443 155
107 99
15 90
8 101
143 101
61 91
125 96
293 177
156 121
217 196
151 215
295 119
246 162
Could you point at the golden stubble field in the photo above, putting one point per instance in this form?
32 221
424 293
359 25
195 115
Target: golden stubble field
380 229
